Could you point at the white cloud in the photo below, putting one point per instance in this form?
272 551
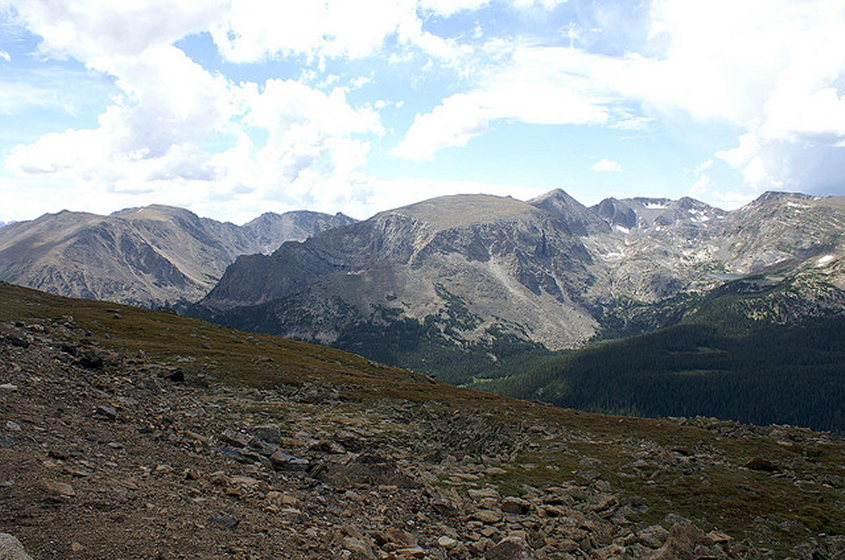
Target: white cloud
606 165
703 180
168 104
178 133
16 96
537 85
546 4
255 32
447 8
252 33
771 67
94 31
453 123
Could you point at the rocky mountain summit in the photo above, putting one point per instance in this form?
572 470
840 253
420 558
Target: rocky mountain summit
515 263
153 256
128 433
495 278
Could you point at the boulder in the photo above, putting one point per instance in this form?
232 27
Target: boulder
271 433
516 506
509 549
683 540
11 548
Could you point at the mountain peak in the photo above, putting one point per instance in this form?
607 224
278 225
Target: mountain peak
156 212
557 194
578 218
780 195
454 211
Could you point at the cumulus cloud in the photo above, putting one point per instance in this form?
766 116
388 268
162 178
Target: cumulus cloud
95 31
773 69
179 132
537 85
781 83
447 8
453 123
169 105
332 28
606 165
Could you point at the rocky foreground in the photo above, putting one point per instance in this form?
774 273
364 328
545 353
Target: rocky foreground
110 454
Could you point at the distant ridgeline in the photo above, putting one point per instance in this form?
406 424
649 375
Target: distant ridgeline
155 256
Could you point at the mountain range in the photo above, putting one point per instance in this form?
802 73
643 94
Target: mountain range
714 312
152 256
471 285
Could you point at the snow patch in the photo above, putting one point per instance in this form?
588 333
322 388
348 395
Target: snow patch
656 206
824 260
624 230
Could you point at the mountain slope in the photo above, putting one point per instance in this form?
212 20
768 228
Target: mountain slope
768 376
151 256
201 441
757 349
474 285
465 271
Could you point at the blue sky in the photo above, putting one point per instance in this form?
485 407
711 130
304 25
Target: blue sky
236 107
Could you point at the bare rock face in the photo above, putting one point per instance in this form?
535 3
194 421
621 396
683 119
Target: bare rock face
479 272
151 256
472 264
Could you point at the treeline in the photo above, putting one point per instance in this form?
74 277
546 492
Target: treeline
773 374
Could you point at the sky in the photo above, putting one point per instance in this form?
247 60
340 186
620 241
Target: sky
232 108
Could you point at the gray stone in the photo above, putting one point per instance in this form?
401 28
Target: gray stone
654 536
106 411
235 438
516 506
233 453
509 549
271 433
285 462
11 548
223 521
682 543
357 546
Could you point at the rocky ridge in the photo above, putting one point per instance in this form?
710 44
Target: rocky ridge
492 273
471 263
153 256
109 450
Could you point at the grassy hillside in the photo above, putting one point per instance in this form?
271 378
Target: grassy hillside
771 374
